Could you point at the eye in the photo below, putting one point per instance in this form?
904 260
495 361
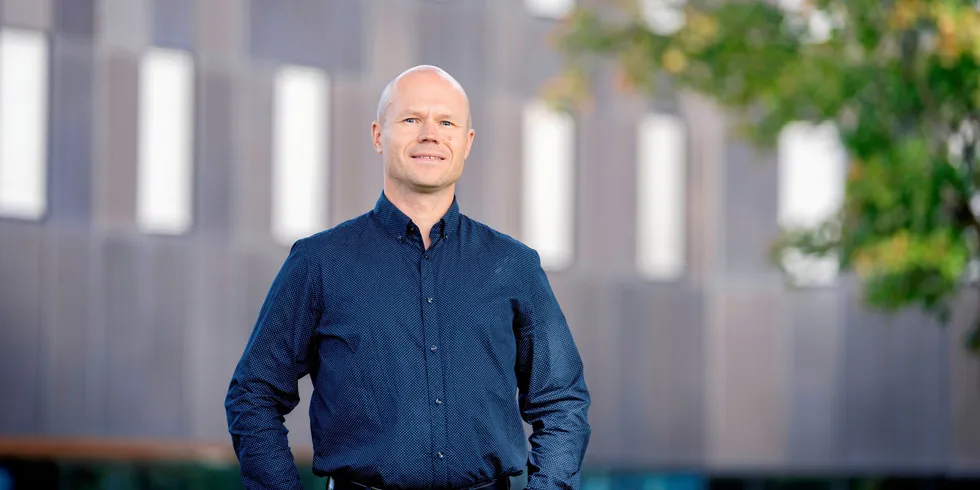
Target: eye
447 123
411 119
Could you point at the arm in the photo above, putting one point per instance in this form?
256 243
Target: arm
264 387
553 396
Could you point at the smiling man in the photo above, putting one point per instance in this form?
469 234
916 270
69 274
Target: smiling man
428 336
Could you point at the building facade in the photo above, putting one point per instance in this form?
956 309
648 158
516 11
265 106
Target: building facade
167 133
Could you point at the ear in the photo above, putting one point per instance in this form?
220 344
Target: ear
376 136
469 142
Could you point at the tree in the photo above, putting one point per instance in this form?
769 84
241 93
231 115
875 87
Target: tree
899 81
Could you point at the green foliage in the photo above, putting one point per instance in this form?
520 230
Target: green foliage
898 79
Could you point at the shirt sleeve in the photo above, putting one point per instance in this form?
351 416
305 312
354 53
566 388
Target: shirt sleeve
264 386
553 396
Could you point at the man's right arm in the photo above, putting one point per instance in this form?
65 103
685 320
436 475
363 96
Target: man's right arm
264 387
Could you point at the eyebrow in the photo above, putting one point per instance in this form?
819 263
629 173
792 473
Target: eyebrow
417 113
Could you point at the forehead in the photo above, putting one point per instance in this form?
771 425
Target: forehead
424 90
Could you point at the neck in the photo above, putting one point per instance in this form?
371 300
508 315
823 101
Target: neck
424 209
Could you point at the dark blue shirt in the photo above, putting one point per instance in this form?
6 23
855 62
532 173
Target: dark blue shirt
423 362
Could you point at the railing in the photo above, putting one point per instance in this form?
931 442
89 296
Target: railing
128 450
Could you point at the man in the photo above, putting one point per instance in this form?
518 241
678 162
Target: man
428 335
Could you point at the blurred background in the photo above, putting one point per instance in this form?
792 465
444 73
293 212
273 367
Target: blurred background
159 157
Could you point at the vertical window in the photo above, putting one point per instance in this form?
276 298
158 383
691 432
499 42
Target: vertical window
815 25
664 17
548 184
660 194
811 189
166 128
299 176
23 123
554 9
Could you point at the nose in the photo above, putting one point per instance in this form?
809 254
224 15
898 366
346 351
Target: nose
428 133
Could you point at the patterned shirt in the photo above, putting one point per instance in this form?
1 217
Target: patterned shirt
423 361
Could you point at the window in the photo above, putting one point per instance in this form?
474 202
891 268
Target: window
23 123
548 183
816 26
811 189
299 176
661 184
166 128
664 17
554 9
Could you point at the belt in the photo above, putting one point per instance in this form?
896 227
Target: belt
335 484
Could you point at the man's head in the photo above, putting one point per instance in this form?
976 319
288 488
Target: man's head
423 130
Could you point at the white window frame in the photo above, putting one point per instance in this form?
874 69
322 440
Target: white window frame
165 173
812 168
663 17
661 192
548 184
550 9
300 153
24 103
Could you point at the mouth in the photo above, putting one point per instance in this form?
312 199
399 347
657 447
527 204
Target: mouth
425 157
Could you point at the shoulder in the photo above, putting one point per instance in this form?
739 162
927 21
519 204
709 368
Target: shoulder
334 239
495 242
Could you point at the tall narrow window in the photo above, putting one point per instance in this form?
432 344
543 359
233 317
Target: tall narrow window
299 176
660 195
548 184
811 189
815 25
166 128
664 17
554 9
23 123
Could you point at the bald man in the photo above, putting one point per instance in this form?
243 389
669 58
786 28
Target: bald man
428 336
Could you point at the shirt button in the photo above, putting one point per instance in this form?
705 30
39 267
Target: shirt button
440 455
433 348
438 401
426 256
429 299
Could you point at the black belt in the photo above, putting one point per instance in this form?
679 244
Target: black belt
336 484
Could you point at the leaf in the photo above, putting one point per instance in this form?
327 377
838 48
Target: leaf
898 79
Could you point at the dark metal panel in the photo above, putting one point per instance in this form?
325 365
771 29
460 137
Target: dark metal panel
308 32
128 339
174 23
75 18
66 328
32 14
815 365
663 358
751 192
216 153
71 123
896 406
21 254
115 182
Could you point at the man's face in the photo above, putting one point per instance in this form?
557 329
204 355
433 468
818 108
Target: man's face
425 136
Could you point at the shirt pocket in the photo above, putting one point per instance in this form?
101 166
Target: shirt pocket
339 340
340 353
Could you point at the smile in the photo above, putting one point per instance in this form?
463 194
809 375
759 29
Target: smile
433 158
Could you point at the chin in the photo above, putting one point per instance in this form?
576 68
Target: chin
429 186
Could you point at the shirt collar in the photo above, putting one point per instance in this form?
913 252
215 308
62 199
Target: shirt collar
396 223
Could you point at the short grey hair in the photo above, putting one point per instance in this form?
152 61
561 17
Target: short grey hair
390 88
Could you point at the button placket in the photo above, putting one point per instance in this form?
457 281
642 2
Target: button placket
434 367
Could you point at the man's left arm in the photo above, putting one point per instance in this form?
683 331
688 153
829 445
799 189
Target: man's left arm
553 396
